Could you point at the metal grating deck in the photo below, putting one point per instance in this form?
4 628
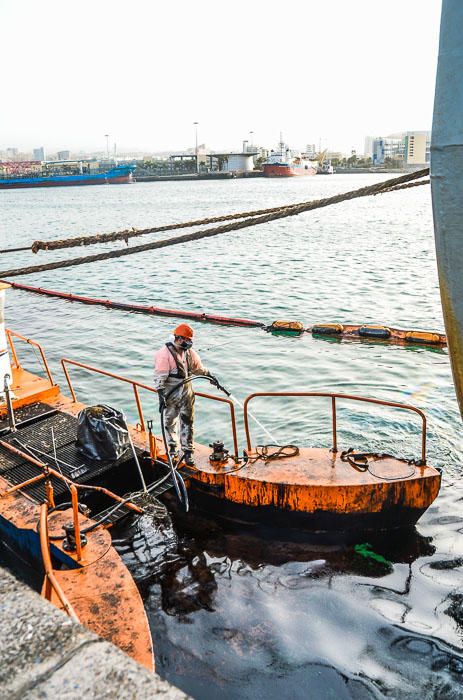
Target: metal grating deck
123 511
38 438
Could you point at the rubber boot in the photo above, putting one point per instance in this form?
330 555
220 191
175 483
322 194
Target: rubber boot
188 458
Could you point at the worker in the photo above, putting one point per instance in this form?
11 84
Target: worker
172 364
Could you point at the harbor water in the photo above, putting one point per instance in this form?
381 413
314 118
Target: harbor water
232 611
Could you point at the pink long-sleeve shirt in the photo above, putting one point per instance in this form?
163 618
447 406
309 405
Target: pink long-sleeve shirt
164 364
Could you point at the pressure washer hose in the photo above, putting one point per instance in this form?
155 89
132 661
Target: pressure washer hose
182 494
114 509
135 456
175 476
233 398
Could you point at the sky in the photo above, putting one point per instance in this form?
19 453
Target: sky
328 72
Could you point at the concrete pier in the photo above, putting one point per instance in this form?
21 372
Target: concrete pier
201 176
43 654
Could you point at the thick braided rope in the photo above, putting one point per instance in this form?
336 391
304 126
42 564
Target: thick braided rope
132 233
271 215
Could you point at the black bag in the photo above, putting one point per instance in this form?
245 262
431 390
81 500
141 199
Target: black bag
102 433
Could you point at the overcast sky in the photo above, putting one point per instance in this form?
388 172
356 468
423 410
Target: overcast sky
143 71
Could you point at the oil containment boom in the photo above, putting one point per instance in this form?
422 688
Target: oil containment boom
447 181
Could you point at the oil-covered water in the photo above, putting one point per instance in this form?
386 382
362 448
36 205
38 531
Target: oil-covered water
234 612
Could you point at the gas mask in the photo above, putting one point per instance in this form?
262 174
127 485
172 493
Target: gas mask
185 343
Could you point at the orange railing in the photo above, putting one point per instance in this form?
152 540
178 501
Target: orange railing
138 385
333 398
16 363
48 471
51 582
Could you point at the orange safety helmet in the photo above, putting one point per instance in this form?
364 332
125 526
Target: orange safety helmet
184 330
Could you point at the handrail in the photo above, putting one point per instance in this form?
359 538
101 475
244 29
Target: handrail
9 335
333 397
139 385
51 581
49 471
232 415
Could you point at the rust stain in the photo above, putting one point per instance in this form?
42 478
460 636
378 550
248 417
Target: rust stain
316 480
29 388
116 614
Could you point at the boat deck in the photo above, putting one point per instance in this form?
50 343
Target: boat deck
97 585
319 482
50 438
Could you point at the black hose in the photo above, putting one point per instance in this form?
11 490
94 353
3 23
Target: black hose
169 456
281 451
360 462
237 466
176 477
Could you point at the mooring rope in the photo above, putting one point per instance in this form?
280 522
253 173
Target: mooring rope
127 234
15 250
132 233
271 215
406 186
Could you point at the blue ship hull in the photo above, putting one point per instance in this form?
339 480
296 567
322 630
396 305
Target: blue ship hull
119 175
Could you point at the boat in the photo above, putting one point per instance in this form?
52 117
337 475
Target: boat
51 177
332 488
287 163
325 168
57 507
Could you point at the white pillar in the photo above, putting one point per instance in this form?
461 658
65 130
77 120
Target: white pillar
5 366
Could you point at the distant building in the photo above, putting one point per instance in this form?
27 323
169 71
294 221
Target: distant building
11 153
378 150
232 162
39 153
411 147
368 148
63 155
417 147
387 147
310 150
333 155
16 167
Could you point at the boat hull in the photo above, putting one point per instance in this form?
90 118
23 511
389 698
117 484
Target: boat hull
318 490
274 170
329 524
110 178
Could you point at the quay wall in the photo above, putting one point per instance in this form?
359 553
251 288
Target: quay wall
361 171
43 654
259 173
200 176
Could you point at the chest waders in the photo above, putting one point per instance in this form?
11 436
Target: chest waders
177 479
180 401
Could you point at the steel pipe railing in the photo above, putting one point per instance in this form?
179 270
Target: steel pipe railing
51 582
333 397
49 471
139 385
232 415
75 518
9 335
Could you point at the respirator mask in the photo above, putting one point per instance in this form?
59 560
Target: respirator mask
185 343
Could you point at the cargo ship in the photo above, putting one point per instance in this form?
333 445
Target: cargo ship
287 163
67 174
